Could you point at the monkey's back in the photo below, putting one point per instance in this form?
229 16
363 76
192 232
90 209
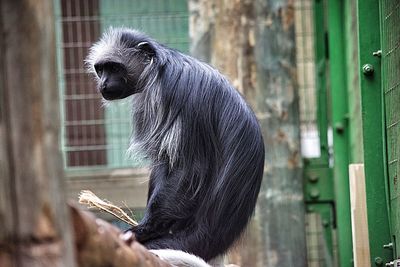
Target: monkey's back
191 121
203 140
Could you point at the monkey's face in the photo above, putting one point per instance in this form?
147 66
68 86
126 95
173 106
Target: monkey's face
113 80
118 60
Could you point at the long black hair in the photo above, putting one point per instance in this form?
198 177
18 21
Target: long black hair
204 143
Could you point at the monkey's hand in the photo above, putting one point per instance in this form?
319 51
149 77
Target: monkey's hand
128 237
145 232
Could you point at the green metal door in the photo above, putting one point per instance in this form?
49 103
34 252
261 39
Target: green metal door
390 36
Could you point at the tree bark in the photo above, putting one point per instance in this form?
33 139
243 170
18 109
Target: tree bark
34 228
253 43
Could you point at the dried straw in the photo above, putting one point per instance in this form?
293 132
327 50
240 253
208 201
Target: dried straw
88 198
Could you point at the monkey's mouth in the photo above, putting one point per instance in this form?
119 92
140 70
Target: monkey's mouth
115 94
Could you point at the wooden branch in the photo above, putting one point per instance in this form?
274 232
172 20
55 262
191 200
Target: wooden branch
99 243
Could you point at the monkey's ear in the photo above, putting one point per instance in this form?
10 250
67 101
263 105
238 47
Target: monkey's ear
146 47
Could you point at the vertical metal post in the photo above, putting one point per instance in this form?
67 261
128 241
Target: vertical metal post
373 131
318 183
340 129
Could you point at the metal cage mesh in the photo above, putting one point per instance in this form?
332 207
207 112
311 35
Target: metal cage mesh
317 249
92 135
391 88
304 29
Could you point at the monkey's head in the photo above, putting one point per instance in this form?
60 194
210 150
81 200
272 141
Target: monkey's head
119 60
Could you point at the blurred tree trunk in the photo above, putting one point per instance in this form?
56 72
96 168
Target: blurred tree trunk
253 43
34 224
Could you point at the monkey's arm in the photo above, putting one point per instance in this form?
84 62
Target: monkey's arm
156 221
167 211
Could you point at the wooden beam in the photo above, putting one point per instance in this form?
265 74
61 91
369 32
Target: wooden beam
359 220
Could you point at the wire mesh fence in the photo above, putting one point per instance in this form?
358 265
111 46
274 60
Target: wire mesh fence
94 136
317 249
318 254
304 29
390 13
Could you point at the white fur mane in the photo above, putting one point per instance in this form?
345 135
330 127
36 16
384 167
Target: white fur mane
178 258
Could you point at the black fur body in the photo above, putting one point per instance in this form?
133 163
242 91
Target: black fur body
203 141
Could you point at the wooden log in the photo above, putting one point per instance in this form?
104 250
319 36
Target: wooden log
99 243
359 221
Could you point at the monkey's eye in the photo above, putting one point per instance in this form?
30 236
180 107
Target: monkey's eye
99 69
115 68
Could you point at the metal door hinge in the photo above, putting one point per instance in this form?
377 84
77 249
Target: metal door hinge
395 263
377 53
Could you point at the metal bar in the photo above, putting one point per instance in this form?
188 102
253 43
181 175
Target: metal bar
60 76
341 131
318 184
373 127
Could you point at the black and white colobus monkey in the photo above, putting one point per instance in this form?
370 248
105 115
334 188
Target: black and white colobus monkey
203 140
